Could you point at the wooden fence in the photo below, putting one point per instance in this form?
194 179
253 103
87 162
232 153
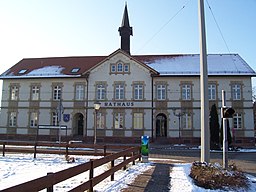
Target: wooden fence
58 148
47 182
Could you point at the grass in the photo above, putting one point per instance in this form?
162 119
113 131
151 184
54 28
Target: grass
213 176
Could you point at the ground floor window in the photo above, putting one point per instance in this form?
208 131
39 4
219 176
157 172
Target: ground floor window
100 120
118 120
138 120
13 119
33 119
237 119
186 121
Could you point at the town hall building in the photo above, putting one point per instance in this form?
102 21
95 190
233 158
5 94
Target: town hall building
153 95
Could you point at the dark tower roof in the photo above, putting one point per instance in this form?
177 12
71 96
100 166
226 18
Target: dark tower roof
125 32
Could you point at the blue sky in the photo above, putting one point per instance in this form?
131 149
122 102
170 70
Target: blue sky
53 28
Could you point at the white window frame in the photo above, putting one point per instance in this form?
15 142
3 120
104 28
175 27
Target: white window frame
186 92
35 90
212 91
186 121
79 92
120 67
119 91
101 91
14 92
13 119
100 120
118 120
237 121
236 92
55 119
57 92
138 120
33 119
138 91
161 92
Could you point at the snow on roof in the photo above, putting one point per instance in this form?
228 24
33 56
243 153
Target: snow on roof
218 64
166 65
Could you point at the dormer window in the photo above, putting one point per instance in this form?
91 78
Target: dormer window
119 68
22 71
75 70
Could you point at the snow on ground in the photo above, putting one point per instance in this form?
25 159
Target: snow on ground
19 168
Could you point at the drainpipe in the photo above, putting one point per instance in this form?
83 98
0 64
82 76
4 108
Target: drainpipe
152 107
86 102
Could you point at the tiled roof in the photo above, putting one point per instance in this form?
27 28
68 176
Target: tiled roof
65 63
172 65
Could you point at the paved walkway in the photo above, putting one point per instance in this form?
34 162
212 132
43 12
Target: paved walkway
155 179
163 157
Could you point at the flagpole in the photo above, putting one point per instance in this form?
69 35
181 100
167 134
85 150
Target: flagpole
205 136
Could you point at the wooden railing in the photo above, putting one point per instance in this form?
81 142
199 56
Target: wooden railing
47 182
58 148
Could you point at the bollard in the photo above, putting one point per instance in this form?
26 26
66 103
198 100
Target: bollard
144 148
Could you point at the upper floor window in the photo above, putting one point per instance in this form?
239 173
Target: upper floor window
236 91
13 119
79 92
57 90
161 92
186 92
14 92
101 91
119 91
237 120
119 67
138 91
35 92
212 91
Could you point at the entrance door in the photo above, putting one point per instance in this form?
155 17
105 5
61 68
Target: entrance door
79 124
161 125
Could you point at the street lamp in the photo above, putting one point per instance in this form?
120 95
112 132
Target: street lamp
179 115
96 108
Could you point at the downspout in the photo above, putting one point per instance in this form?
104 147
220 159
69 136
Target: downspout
86 103
152 107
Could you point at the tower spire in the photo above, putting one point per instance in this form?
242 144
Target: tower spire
125 31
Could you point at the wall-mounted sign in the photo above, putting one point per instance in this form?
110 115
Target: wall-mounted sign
118 104
66 117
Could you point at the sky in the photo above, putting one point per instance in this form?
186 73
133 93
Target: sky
60 28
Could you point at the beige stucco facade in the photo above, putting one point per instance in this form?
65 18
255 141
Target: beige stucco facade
125 118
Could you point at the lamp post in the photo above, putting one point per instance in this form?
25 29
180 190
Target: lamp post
96 108
179 115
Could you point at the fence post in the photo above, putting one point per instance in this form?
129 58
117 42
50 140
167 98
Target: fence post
50 189
105 150
3 149
91 175
124 160
35 150
133 162
66 149
112 165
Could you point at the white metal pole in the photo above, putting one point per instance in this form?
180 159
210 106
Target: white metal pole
225 137
205 136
